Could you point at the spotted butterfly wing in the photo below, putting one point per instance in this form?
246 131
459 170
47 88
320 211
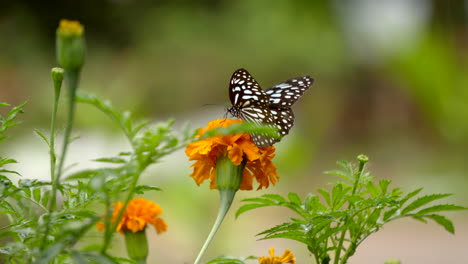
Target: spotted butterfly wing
284 95
250 103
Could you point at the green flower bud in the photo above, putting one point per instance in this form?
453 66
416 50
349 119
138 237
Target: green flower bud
70 45
137 245
57 77
362 158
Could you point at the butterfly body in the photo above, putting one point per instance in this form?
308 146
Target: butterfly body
270 107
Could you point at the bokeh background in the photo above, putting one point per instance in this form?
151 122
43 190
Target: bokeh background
391 82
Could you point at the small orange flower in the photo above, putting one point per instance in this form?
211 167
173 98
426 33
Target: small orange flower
138 213
287 257
237 147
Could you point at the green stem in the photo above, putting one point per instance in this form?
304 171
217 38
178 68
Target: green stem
72 78
362 162
226 198
113 224
53 157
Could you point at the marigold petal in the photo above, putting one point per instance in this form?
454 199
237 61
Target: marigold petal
250 149
287 257
201 171
235 154
135 224
160 225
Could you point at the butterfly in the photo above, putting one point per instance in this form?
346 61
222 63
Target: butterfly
270 107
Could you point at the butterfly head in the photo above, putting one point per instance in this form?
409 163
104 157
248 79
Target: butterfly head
234 111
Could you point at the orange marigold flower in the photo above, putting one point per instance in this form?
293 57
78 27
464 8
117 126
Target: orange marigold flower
138 213
237 147
287 257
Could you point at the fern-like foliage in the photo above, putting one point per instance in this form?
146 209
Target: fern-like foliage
333 223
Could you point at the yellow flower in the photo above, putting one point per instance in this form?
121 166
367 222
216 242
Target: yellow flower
287 257
237 148
138 213
70 27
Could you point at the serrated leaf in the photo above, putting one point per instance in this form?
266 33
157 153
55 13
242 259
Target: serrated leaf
384 185
339 173
410 195
423 201
336 196
390 213
294 198
439 208
443 221
275 197
248 207
372 189
293 235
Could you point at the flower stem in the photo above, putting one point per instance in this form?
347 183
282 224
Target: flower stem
73 85
72 79
362 162
226 198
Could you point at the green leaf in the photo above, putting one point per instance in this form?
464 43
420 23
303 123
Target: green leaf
384 185
111 160
439 208
140 189
443 221
9 171
248 207
37 194
4 161
293 235
42 136
294 198
275 197
390 213
423 201
372 189
337 195
410 195
45 198
340 174
326 196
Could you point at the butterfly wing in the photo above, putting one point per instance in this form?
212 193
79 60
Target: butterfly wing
285 94
283 118
250 103
244 91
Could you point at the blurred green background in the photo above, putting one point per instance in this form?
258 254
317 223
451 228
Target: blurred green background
391 82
